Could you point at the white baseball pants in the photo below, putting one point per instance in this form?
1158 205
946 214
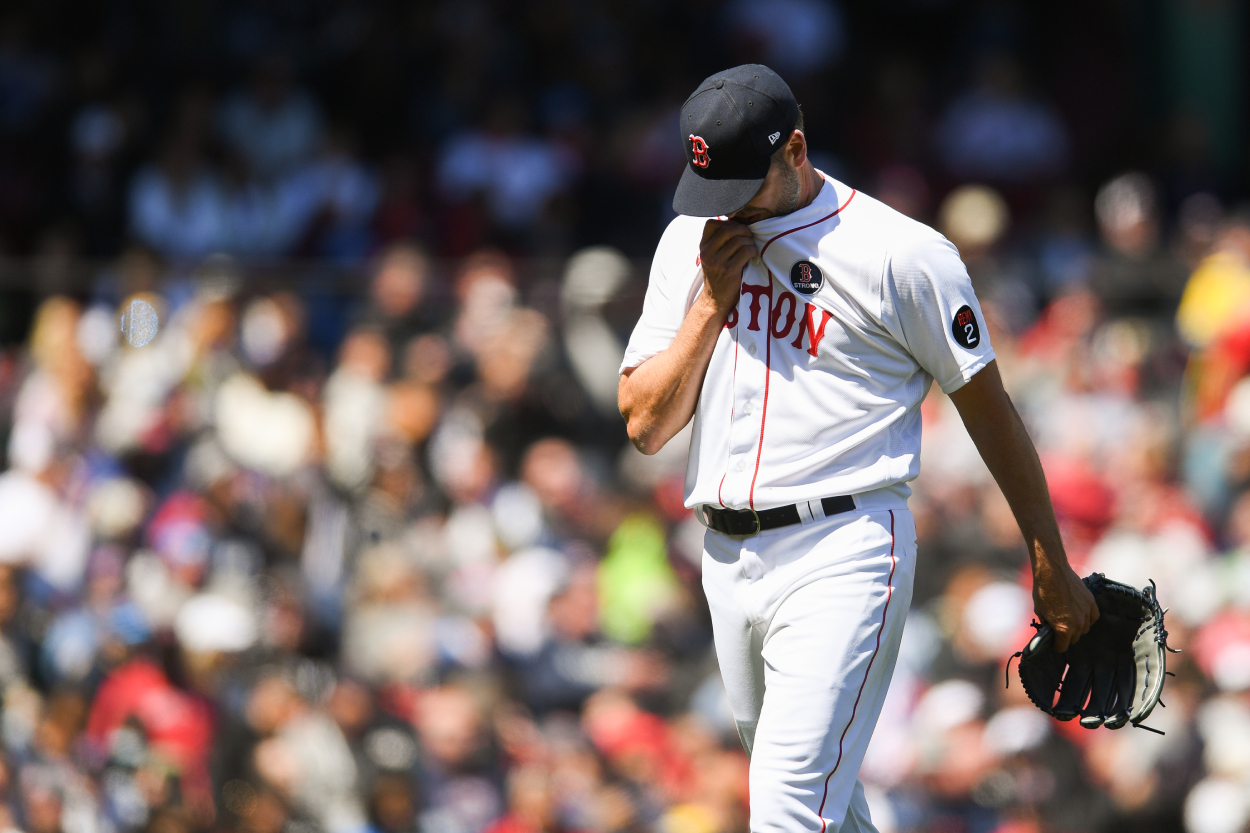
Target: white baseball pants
807 621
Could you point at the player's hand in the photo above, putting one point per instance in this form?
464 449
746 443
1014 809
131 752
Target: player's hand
1063 601
726 248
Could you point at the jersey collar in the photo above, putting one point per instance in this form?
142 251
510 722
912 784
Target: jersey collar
825 201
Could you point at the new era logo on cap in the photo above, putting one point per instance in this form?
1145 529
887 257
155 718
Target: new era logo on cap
729 128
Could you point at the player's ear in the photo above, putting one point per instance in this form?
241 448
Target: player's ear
796 148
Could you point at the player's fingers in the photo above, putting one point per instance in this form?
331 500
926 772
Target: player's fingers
745 251
1083 619
1062 641
742 242
715 237
711 227
724 239
717 226
726 256
739 261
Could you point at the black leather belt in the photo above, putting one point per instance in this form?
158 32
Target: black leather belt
743 522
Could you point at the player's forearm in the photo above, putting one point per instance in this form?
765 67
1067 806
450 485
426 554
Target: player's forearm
1059 596
1008 451
1012 459
659 396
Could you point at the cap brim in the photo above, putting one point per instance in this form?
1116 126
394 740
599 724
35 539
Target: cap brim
699 197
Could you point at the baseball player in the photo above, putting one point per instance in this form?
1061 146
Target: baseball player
801 328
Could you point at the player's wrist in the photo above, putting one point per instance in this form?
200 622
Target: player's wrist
720 303
1047 554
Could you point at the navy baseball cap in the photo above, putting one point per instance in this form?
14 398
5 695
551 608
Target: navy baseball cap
730 127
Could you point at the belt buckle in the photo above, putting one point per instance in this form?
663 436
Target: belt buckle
704 513
755 516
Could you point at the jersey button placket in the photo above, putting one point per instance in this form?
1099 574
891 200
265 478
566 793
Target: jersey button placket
748 393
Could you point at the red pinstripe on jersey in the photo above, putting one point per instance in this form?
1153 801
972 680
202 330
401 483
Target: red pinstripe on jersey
768 373
889 593
734 381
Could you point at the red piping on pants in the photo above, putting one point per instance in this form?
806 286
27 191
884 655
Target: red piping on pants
889 592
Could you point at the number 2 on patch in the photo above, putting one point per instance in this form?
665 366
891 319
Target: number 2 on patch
964 328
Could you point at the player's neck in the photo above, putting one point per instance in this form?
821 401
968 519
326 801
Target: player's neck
810 183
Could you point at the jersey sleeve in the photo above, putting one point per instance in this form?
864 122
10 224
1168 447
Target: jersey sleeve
939 321
663 309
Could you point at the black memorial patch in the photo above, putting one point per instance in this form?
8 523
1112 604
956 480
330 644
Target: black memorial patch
806 277
964 327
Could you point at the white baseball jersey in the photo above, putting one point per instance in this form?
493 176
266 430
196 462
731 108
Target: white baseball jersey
815 385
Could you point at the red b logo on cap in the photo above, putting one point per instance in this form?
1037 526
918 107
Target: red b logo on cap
699 148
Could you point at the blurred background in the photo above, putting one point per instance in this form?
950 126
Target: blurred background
357 541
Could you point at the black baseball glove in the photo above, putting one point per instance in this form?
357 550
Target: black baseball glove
1114 674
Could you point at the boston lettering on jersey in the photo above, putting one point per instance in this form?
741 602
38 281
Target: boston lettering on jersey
785 314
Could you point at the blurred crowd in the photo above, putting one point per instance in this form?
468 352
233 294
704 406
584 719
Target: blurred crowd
331 129
357 543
